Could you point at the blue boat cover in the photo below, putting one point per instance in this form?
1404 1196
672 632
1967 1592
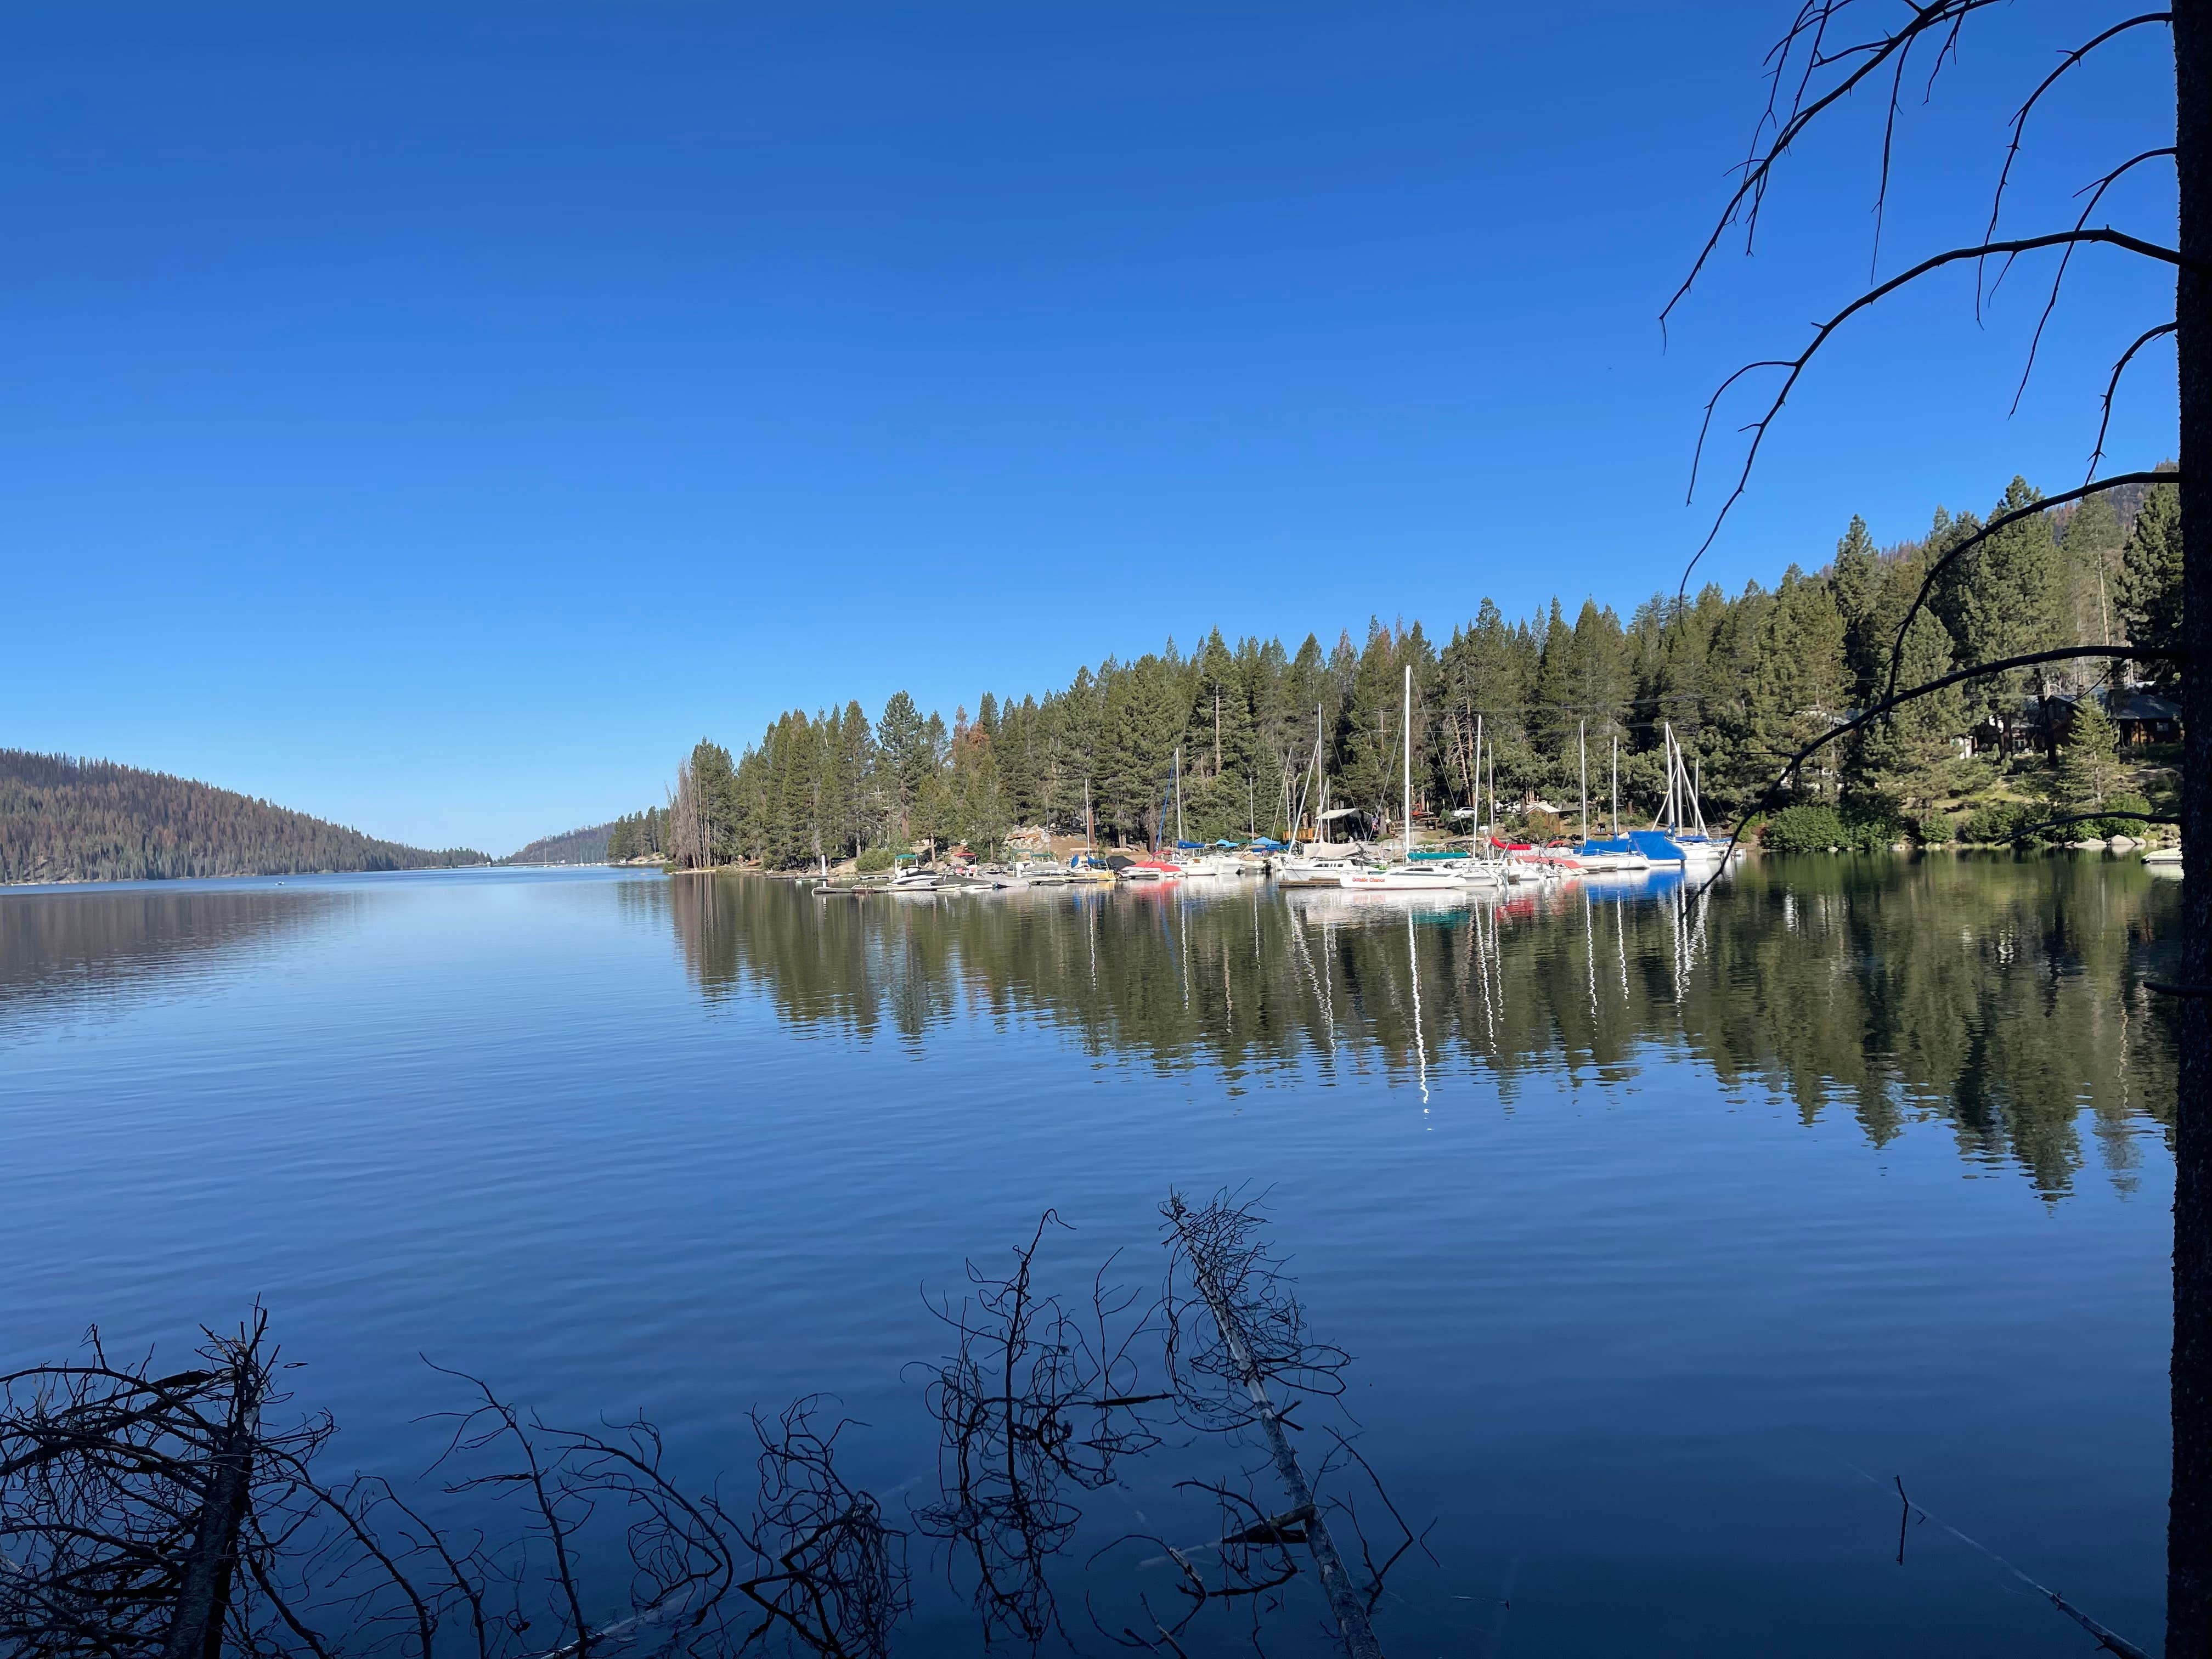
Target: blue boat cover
1659 849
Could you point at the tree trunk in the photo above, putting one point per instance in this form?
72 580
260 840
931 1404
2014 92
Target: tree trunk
2189 1531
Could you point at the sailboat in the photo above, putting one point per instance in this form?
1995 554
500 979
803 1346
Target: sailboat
1188 856
1669 841
1314 867
1698 845
1619 856
1405 876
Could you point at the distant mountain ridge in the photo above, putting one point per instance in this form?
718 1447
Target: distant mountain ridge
69 820
587 846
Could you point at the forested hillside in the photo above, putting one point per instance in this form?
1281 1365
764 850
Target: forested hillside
81 820
1742 679
587 846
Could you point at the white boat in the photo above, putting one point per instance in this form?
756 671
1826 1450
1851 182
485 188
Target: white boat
1295 870
1203 864
1400 879
1699 846
1605 862
1406 874
912 882
1041 872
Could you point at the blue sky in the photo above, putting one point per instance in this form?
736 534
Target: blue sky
436 417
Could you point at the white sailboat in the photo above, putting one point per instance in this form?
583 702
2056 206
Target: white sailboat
1405 876
1697 844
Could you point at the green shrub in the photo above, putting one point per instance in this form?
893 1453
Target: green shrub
875 858
1804 828
1933 828
1808 827
1987 826
2108 828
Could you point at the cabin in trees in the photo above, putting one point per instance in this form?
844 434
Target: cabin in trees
2141 716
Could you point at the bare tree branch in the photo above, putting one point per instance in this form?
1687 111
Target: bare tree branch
1751 190
1952 556
2058 278
2019 120
1825 331
2111 387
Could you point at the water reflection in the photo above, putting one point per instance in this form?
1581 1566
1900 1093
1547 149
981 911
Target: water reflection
93 951
2003 998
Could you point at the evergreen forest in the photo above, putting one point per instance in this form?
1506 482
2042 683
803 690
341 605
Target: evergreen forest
1742 681
64 819
585 846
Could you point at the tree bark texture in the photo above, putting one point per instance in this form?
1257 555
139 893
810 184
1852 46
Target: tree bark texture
2189 1531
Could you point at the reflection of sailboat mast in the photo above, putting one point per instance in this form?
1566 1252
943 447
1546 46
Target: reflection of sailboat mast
1305 959
1420 1041
1183 940
1482 970
1675 919
1589 958
1620 938
1497 956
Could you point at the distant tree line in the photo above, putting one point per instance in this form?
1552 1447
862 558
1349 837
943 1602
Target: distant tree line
640 835
64 819
585 846
1742 681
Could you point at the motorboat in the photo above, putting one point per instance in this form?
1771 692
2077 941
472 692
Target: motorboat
1041 872
1617 856
1324 870
1143 872
1405 877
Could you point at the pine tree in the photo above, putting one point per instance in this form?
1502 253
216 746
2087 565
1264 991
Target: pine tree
2150 581
1367 732
907 762
2011 602
2090 770
1910 758
2091 547
1857 584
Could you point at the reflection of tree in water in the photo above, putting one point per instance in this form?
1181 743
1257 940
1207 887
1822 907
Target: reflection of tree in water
2005 998
82 951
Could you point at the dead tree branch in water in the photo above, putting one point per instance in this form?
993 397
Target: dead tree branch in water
1032 1404
127 1500
838 1584
165 1517
1237 1331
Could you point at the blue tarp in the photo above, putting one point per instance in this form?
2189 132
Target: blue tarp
1659 849
1265 846
1190 846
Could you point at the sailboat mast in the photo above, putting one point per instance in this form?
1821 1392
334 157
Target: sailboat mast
1408 736
1475 794
1616 786
1178 784
1582 757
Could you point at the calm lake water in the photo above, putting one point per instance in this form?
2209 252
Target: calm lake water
1651 1227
